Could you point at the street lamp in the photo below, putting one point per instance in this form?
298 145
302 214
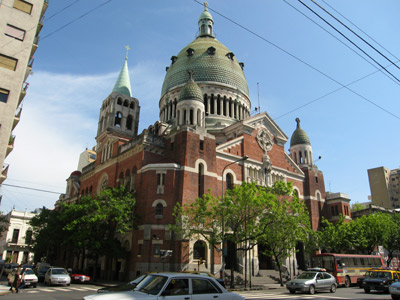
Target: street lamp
223 223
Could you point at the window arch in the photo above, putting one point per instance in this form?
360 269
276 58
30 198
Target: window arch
118 119
129 122
201 180
159 209
229 181
132 105
119 101
199 250
126 103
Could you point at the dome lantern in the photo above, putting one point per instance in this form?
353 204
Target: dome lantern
206 23
300 146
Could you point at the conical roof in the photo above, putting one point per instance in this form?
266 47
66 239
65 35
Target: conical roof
299 136
123 84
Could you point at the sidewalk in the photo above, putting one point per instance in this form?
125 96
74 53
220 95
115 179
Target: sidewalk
4 290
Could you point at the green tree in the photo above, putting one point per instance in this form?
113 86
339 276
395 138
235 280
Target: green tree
48 235
335 237
369 232
284 223
99 220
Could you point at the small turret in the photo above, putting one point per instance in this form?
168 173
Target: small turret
206 23
300 146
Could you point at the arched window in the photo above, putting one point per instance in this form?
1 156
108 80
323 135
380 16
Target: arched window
199 250
159 209
132 105
119 101
201 180
133 184
127 180
126 103
129 122
121 179
118 119
229 181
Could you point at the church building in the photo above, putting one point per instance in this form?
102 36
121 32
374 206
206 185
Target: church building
205 138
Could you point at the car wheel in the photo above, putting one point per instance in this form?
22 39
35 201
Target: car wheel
347 282
292 291
367 290
333 288
311 290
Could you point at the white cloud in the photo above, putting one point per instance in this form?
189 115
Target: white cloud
59 120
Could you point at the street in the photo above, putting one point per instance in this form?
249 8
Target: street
77 291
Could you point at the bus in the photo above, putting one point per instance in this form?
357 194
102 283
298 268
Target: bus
347 268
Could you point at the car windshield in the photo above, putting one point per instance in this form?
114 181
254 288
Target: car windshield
380 275
43 270
58 271
307 275
151 284
28 271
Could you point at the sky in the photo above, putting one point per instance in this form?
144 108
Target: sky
296 65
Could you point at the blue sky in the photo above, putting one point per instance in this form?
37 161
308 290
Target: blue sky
299 65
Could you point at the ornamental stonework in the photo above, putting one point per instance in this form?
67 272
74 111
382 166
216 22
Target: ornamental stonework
264 140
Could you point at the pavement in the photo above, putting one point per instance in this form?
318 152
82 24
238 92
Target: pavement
4 290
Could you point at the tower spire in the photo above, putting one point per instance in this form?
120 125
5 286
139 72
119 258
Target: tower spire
123 83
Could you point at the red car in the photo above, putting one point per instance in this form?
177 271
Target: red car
79 278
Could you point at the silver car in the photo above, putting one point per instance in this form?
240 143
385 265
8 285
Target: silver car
172 286
57 276
394 290
311 281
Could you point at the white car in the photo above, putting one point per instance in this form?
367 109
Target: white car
172 286
57 276
29 278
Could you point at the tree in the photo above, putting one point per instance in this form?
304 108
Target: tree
285 222
48 235
392 241
335 237
98 220
369 232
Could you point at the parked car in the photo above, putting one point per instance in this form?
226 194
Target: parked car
56 275
157 286
129 286
361 279
41 272
29 278
312 281
394 290
79 278
9 267
380 280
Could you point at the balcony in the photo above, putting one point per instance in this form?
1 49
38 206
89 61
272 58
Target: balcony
23 93
10 146
4 172
17 117
44 8
34 45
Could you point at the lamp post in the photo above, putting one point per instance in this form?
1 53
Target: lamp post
223 223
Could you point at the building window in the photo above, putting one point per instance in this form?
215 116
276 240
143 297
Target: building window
201 180
199 250
4 95
160 183
316 179
157 248
23 6
15 236
229 181
28 237
159 209
201 145
8 62
15 32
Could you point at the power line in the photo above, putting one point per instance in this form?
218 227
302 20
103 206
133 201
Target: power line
300 60
33 189
349 40
357 35
342 42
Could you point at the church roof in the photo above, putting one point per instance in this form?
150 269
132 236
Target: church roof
123 84
190 91
210 61
299 136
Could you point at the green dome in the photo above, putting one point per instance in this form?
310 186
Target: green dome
210 61
205 15
190 91
299 136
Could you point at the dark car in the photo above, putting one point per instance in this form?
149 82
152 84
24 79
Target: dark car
361 279
380 280
40 272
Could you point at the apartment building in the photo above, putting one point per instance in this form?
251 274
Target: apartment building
20 25
385 187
